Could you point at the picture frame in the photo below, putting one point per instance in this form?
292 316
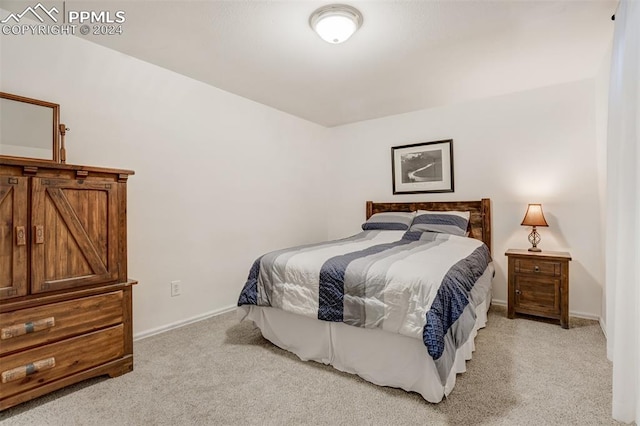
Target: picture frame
423 167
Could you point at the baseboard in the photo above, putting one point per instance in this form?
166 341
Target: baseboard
181 323
603 326
576 314
584 316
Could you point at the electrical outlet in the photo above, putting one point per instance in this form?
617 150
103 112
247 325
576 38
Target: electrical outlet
176 288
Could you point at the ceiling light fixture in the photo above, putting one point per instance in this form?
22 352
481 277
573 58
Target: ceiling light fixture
335 23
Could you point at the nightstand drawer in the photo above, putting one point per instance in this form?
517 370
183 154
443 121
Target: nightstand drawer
537 266
537 295
30 327
45 364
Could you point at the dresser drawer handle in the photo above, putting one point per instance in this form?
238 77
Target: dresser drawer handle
517 291
21 236
26 328
536 268
27 370
38 234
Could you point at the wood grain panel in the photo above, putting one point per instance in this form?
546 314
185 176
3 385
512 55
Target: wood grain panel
13 254
71 356
73 264
122 222
76 230
91 207
97 223
6 236
113 368
537 266
540 295
71 318
81 222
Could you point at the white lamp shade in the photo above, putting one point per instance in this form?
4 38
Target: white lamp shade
335 23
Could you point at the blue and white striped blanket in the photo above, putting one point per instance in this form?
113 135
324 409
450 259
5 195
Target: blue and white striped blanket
417 284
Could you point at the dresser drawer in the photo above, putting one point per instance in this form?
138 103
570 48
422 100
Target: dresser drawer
537 266
29 369
45 324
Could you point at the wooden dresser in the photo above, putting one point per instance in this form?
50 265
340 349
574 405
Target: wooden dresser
539 284
65 299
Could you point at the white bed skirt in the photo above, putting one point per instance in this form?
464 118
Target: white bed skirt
378 356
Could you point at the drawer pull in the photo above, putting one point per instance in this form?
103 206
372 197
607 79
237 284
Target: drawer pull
27 327
39 234
536 268
21 236
518 292
27 370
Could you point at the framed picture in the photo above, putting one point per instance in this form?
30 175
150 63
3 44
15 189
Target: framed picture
422 167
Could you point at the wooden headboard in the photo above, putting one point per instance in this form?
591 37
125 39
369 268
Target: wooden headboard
479 222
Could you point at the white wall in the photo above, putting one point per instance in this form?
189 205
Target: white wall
533 146
219 179
602 112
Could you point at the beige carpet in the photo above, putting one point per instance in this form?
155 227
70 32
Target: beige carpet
221 372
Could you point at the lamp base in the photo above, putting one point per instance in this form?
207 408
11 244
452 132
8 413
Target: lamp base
534 240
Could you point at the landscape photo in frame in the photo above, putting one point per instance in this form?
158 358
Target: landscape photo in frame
422 167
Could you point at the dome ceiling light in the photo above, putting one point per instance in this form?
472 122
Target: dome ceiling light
335 23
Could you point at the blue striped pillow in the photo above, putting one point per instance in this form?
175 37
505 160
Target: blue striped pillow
449 222
391 221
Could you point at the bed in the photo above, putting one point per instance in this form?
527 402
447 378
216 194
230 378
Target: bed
398 304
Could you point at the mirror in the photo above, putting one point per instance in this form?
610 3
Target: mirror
29 128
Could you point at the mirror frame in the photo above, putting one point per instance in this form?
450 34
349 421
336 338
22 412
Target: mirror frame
56 123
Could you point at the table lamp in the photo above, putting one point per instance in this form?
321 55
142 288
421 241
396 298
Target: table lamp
534 217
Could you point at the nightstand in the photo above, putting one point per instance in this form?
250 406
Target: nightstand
539 284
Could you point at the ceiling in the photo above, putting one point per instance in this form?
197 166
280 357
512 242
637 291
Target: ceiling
408 54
